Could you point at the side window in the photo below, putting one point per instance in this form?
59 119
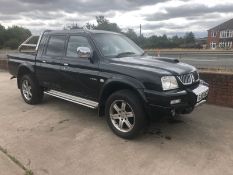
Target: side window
56 45
42 45
74 43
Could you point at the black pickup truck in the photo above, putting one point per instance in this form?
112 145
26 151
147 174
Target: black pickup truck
107 71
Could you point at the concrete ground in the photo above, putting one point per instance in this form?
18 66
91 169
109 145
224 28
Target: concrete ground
60 138
8 167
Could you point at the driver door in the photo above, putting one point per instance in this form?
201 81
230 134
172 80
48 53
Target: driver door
79 75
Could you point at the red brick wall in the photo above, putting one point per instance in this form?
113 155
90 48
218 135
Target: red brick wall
221 88
209 39
213 39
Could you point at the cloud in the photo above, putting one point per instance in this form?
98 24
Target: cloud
156 16
4 17
189 10
71 6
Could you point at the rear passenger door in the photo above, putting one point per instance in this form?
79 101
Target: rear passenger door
49 63
79 75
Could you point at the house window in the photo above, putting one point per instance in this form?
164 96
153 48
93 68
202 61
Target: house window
231 34
229 44
226 34
223 34
213 34
213 45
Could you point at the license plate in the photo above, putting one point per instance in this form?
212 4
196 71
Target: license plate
201 92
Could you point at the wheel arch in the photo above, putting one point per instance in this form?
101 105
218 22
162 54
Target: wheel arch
22 70
116 85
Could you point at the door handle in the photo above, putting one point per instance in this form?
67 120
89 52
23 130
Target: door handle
43 61
66 64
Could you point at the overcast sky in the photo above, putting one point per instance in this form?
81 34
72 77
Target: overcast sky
156 16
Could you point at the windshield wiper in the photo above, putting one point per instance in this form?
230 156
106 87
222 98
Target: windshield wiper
124 54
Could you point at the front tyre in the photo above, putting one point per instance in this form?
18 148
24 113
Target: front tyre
31 92
125 114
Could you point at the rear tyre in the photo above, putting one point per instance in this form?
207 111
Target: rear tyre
31 92
125 114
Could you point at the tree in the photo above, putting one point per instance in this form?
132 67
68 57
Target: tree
101 20
2 36
189 38
176 41
12 43
132 35
89 26
153 41
13 36
74 26
104 24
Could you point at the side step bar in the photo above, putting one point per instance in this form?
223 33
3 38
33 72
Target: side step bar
74 99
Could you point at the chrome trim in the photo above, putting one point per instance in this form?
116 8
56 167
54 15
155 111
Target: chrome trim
200 103
84 52
28 45
38 42
74 99
188 79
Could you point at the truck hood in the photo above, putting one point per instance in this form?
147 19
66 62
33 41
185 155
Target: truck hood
159 65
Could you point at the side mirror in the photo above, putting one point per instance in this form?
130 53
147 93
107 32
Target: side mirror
84 52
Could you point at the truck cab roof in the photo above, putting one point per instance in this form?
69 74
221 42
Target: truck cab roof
74 31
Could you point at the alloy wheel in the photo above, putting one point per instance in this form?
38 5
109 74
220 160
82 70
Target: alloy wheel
27 90
122 115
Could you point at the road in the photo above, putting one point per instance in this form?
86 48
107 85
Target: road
57 138
219 60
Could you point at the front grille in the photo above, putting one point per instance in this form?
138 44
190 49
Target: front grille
188 79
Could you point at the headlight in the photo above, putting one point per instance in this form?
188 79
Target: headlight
169 82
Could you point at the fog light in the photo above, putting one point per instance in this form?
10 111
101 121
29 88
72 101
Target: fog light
175 101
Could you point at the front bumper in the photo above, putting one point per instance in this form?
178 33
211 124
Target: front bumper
178 101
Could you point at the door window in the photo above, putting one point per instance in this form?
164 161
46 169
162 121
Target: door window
56 45
74 43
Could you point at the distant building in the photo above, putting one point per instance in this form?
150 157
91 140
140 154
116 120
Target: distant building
221 36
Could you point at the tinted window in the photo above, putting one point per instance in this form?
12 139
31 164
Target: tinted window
74 43
56 46
112 45
42 45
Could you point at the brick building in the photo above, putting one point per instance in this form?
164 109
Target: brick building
221 36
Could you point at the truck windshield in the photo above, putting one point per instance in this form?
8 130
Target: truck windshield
114 45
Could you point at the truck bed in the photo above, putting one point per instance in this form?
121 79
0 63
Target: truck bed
15 59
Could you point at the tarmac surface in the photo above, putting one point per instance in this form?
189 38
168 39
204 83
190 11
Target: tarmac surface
61 138
202 59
